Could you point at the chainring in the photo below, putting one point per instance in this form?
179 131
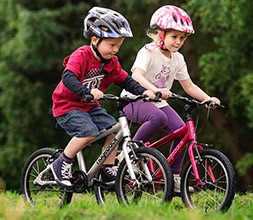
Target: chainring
80 181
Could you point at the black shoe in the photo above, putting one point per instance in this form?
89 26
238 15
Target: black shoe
108 173
61 170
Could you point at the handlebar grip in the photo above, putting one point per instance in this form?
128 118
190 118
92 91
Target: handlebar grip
87 98
158 95
222 107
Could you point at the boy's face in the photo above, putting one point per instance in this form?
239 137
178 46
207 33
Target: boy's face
108 46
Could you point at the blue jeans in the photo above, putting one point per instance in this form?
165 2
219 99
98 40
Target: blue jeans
77 123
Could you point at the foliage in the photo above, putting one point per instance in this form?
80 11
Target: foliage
228 66
245 163
32 48
227 60
35 37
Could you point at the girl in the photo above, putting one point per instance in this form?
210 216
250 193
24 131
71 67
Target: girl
156 67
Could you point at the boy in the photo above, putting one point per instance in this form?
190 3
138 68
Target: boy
90 70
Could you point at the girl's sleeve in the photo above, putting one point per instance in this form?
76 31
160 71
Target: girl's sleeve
142 60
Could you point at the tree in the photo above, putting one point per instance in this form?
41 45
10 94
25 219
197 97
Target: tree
227 69
35 39
37 35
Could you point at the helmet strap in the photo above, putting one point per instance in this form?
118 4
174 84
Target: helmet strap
95 48
103 60
161 43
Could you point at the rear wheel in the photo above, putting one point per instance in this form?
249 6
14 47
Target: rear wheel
153 184
218 177
41 188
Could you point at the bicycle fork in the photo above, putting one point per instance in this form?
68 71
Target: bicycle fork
127 139
198 159
194 162
126 148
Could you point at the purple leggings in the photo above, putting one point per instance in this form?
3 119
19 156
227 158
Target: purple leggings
153 120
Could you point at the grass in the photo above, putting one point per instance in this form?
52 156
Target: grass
84 206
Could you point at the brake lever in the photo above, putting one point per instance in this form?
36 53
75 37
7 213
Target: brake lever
214 105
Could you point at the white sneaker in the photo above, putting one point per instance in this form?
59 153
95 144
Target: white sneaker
177 183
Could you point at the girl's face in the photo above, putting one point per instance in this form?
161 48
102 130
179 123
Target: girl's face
174 40
109 46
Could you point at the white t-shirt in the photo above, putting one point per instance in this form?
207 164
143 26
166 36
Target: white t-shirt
160 70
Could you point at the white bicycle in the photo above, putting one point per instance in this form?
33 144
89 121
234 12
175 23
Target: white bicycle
135 182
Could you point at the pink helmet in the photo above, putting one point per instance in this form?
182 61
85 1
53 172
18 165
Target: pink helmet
172 17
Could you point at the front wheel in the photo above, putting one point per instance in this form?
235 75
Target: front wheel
37 181
105 193
218 177
154 179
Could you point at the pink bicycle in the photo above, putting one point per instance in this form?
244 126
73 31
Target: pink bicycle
208 171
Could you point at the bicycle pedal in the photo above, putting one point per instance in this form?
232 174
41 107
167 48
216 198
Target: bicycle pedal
177 194
101 184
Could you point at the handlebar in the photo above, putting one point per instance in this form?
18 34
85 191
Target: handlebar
174 96
194 102
111 97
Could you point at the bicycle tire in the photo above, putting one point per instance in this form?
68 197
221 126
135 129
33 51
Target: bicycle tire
105 193
213 196
158 190
48 194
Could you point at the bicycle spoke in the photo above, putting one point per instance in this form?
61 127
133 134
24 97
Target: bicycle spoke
148 187
212 195
47 193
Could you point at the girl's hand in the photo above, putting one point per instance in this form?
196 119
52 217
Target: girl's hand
149 93
97 94
215 101
166 94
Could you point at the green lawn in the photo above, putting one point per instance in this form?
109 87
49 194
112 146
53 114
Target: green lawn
84 206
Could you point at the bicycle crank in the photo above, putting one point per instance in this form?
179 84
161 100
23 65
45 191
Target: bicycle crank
79 181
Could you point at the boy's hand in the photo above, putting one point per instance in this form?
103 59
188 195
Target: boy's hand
97 94
149 93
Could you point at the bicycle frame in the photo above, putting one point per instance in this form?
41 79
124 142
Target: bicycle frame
187 133
102 157
122 131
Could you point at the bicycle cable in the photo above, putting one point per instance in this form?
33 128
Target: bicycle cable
206 120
